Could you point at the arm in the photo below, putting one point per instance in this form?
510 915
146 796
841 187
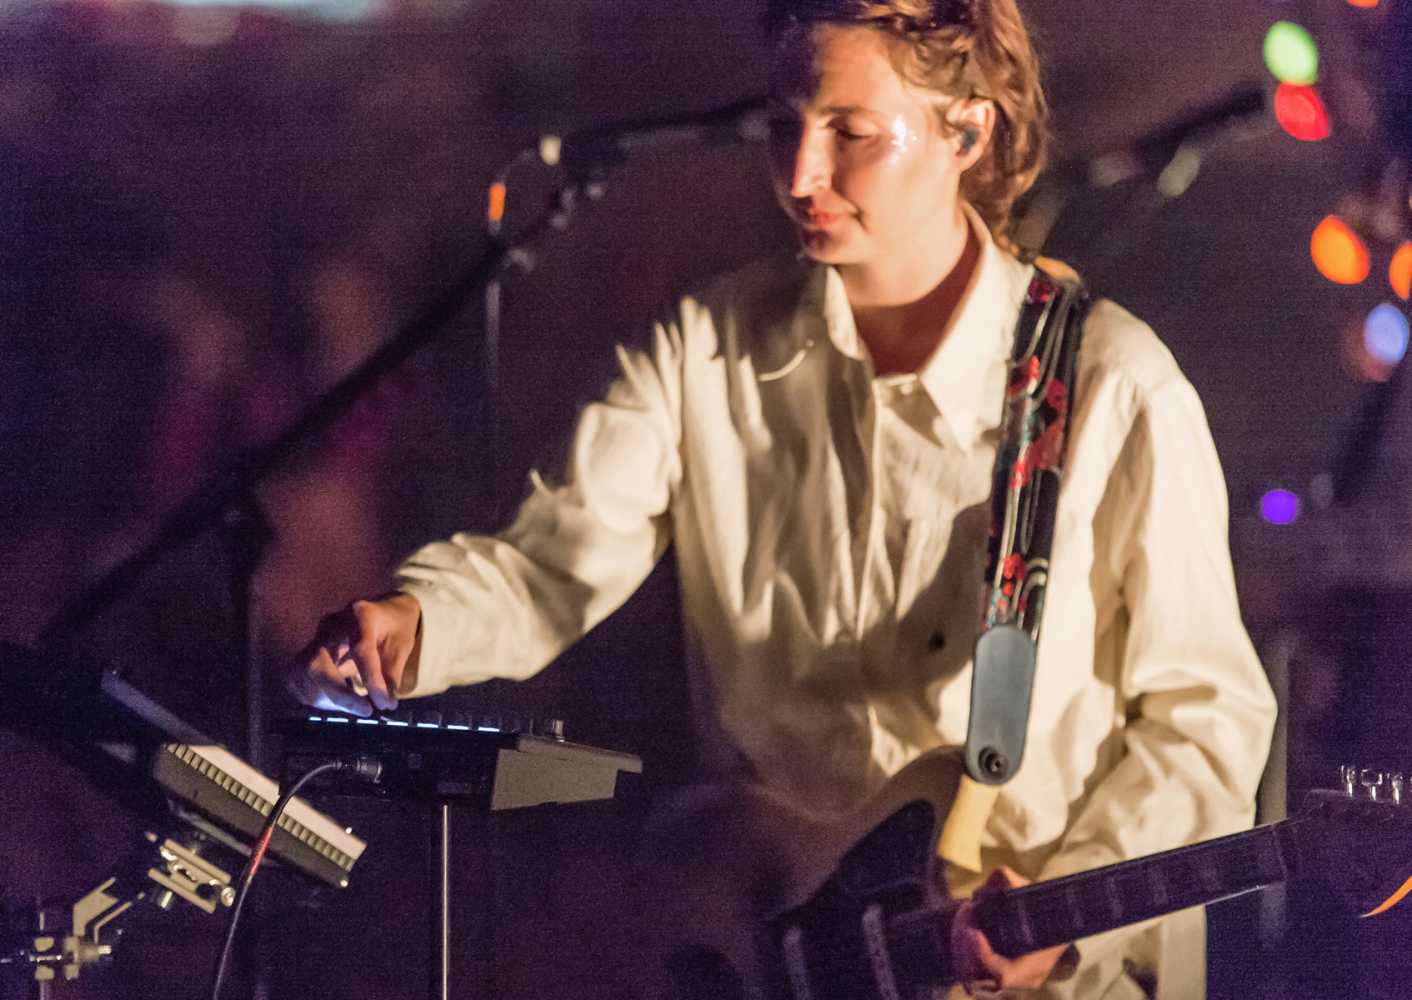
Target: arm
475 607
1199 708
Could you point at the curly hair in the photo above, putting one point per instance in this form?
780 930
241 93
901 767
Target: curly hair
962 49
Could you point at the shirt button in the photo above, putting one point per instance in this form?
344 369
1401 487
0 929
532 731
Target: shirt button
937 642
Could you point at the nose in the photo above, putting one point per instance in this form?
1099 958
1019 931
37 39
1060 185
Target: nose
803 161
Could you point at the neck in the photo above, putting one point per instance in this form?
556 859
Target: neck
910 274
1050 913
904 316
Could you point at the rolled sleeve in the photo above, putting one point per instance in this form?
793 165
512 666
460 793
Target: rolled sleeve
583 540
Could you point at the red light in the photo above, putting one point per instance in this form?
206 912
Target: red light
1301 112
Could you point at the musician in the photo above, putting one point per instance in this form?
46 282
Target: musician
815 436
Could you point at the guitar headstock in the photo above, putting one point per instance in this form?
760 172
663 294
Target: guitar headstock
1357 839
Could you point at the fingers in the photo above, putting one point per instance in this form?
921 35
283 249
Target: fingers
999 880
979 966
965 953
316 679
982 967
368 641
367 657
989 957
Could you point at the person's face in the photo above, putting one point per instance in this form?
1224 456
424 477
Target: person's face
859 158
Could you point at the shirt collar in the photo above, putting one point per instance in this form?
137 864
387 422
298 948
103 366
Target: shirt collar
967 372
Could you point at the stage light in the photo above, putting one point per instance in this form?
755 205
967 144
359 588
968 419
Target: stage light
1363 4
1399 272
1301 112
1385 333
1279 507
1338 253
1290 54
1360 363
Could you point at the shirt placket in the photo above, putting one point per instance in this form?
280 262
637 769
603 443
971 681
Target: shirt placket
877 581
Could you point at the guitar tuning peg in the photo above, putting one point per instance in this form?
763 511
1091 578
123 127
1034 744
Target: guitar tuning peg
1396 781
1348 774
1372 781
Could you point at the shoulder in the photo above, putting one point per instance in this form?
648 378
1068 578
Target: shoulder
757 289
1132 398
1120 351
762 310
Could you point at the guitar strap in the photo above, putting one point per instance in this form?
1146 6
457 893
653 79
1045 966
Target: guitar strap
1029 466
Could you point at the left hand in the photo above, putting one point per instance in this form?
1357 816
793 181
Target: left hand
979 966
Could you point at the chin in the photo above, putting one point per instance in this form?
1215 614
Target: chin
829 249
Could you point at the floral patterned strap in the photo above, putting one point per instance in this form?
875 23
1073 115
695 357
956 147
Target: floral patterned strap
1029 463
1029 466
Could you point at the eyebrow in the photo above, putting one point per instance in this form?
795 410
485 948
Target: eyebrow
835 109
849 109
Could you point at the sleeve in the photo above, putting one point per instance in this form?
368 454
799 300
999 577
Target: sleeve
1199 710
503 606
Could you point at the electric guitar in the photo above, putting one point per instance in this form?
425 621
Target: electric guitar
802 907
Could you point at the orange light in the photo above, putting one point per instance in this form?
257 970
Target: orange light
1338 253
1363 4
1301 113
1399 272
495 204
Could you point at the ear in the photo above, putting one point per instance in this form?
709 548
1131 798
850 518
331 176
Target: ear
974 120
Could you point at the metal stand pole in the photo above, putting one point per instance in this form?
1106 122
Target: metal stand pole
247 533
43 988
441 911
493 430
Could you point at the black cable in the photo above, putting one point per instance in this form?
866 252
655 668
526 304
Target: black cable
362 766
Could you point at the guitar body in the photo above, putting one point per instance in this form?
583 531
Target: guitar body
746 891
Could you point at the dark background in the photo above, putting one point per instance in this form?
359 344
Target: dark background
208 214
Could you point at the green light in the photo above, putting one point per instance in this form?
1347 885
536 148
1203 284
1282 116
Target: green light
1291 55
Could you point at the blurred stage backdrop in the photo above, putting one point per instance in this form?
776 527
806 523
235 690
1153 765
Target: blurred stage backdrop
209 213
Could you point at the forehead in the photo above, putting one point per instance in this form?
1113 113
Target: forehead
829 65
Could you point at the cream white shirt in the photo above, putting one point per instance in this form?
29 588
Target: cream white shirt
830 531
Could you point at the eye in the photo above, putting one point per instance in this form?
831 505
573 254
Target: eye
851 130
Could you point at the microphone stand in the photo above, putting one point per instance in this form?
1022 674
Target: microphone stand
228 498
226 494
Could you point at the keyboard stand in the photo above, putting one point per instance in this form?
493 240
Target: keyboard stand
485 765
441 910
175 869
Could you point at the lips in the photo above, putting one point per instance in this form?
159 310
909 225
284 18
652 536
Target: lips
818 220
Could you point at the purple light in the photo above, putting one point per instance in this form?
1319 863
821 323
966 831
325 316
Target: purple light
1279 507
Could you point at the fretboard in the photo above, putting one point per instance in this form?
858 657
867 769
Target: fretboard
1077 906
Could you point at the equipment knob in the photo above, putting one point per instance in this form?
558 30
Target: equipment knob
1396 781
1348 774
1372 781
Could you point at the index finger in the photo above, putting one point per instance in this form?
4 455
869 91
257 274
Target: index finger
366 657
316 680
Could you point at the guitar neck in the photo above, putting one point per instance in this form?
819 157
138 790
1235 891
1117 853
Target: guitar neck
1077 906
